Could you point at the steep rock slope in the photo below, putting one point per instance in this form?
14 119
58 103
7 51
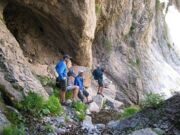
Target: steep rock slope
130 38
16 78
165 118
132 42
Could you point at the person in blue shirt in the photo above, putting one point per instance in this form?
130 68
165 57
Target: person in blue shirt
61 80
79 81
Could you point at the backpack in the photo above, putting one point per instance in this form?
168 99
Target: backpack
97 74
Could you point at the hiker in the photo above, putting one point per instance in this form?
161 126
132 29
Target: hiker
71 86
61 80
98 76
79 81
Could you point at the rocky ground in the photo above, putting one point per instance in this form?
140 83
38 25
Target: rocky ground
102 117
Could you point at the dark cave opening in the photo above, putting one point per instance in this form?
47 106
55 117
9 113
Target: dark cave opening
34 34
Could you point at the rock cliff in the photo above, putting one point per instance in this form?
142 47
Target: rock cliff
132 42
131 39
136 40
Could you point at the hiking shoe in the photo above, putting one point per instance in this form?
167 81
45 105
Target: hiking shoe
65 104
101 94
88 102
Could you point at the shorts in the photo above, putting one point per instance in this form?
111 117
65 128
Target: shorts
100 82
70 88
83 93
61 84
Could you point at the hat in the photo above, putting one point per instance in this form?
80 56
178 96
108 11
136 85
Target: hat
80 71
66 56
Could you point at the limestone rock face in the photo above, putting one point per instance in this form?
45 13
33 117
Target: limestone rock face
63 27
132 43
130 38
15 76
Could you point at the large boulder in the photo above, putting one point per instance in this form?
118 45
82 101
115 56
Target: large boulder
147 131
93 107
99 100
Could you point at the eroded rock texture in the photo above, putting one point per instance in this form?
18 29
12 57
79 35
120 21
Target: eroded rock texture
165 118
130 38
16 78
55 27
132 42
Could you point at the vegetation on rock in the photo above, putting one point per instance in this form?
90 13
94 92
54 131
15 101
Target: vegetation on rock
53 106
80 110
129 111
152 100
13 130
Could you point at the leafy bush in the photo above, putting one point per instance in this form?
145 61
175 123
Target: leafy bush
80 110
54 106
13 130
37 106
14 117
33 103
69 95
129 111
56 92
152 100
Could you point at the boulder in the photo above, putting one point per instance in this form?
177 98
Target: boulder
146 131
114 104
88 126
99 100
100 127
93 107
112 124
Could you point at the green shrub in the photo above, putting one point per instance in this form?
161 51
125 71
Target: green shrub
37 106
56 92
49 128
15 118
13 130
80 110
69 95
152 100
54 106
33 103
129 111
80 115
